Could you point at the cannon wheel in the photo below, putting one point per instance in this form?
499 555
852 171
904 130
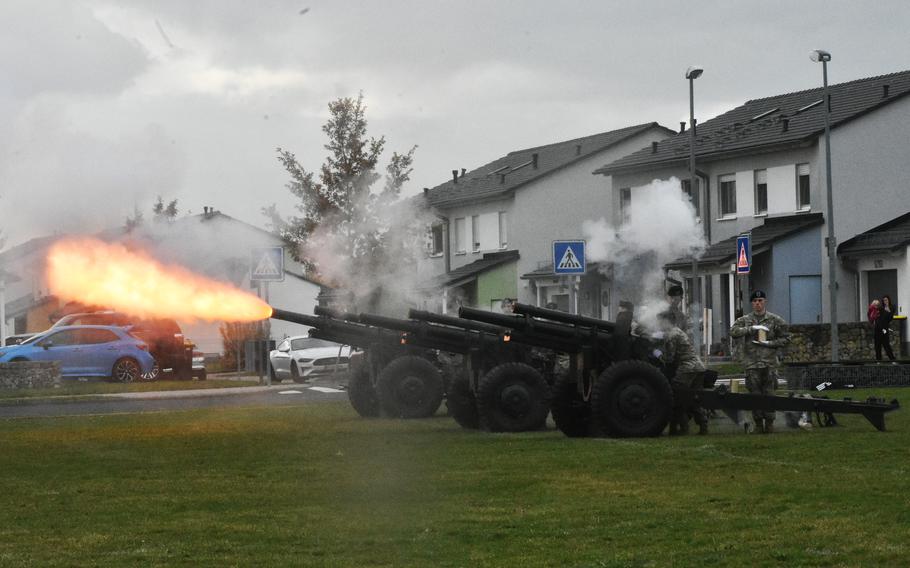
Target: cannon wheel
570 412
410 387
462 404
513 397
362 394
631 399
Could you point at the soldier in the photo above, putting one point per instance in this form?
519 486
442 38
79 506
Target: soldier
679 358
679 316
761 334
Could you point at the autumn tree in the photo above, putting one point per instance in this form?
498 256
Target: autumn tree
160 213
343 226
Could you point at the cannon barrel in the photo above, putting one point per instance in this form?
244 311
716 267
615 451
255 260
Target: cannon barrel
294 317
339 331
531 329
334 314
563 317
431 317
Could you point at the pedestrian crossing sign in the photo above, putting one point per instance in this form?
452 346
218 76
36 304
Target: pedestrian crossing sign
743 254
267 264
569 257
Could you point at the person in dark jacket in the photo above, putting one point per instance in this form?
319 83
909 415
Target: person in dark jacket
882 329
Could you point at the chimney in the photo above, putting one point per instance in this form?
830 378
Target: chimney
454 176
885 91
463 172
578 149
785 124
426 190
654 147
682 126
534 158
502 178
206 210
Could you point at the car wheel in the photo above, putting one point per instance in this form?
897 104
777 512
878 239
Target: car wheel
126 370
153 374
202 375
295 374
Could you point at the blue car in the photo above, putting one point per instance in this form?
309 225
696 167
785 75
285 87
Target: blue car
87 351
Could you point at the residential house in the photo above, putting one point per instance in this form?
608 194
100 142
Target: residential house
497 223
765 160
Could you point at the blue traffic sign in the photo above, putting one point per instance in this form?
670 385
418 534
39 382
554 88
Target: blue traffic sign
569 257
743 254
267 264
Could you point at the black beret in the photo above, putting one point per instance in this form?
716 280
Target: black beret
758 294
675 290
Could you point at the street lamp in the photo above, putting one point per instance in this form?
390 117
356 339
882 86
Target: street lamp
693 73
820 55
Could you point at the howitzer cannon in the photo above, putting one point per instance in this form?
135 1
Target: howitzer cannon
495 387
616 387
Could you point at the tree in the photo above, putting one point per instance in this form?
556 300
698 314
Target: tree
344 228
160 212
234 336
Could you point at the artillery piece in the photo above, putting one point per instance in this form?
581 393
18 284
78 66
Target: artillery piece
615 387
496 387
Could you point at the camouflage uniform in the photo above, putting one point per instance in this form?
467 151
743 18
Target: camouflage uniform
679 355
680 318
761 361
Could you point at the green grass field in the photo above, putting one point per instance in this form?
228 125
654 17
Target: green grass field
316 485
72 387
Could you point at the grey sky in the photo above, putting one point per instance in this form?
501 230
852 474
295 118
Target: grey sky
102 109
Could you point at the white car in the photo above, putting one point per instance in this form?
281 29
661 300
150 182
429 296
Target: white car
301 358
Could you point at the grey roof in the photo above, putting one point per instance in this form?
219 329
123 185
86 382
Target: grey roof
516 169
887 237
470 271
758 124
763 238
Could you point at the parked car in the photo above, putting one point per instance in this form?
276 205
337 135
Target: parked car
301 358
172 351
199 365
87 351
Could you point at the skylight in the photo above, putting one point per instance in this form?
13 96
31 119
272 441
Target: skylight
810 105
764 114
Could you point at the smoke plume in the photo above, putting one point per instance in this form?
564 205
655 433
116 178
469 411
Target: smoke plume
661 227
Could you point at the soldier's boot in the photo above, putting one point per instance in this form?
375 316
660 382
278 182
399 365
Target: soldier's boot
769 427
684 426
702 428
674 429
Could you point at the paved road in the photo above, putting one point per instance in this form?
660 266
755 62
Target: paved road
168 401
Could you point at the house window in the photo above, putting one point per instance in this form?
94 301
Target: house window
802 187
727 189
503 229
625 204
460 236
436 239
761 192
475 233
693 197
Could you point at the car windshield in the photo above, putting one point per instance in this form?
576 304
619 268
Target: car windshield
310 343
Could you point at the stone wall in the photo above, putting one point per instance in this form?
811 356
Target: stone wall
29 375
812 342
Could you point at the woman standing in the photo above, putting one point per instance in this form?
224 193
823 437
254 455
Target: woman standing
883 329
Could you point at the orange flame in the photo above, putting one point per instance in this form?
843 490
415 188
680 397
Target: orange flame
93 272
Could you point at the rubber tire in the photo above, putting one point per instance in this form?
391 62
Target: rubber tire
462 404
272 376
631 399
410 387
361 393
152 375
203 375
295 374
570 411
526 391
126 370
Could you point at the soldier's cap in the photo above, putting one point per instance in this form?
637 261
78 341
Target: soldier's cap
626 304
675 290
758 294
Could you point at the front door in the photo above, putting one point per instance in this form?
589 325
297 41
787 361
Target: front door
882 283
805 299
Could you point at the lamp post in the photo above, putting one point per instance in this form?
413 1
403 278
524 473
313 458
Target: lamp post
693 73
820 55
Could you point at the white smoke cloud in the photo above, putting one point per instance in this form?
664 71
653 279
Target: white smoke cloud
662 227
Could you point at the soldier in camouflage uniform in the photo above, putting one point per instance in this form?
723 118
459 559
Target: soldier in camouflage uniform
761 335
678 314
679 358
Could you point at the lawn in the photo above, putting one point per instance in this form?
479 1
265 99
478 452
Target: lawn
316 485
75 387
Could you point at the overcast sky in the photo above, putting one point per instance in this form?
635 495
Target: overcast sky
106 105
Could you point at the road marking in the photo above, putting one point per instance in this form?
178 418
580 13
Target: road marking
325 389
290 392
